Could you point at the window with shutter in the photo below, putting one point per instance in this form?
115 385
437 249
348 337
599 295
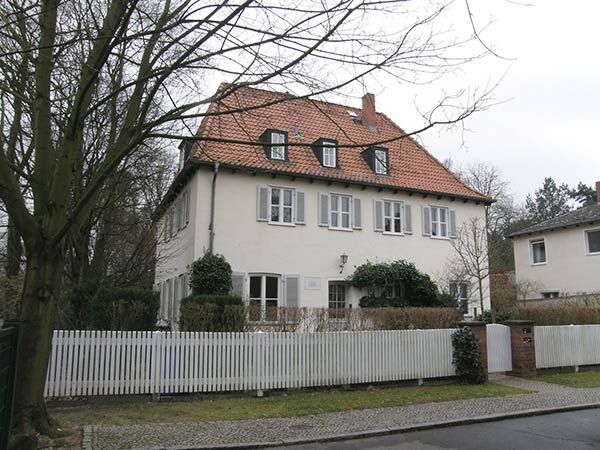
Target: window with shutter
378 215
357 214
426 221
392 217
323 209
299 219
407 219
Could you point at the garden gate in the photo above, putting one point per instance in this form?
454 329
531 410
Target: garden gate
498 348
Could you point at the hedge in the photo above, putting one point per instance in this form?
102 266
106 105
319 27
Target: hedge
556 315
212 313
124 309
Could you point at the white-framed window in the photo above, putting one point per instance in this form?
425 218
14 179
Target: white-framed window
282 205
538 251
392 216
381 162
460 291
329 154
278 151
264 297
592 241
337 302
439 221
340 211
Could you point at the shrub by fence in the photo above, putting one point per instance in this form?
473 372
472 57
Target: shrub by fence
124 309
212 313
559 315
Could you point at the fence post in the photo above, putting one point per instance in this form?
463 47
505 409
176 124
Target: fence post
480 331
156 365
522 343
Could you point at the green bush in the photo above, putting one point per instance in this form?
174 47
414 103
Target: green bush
212 313
397 283
210 275
465 356
410 318
124 309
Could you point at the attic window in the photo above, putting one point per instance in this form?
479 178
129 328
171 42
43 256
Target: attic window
275 152
326 152
378 159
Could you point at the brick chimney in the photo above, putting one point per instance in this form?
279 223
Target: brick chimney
598 191
368 109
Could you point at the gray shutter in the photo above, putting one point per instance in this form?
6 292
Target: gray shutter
378 212
300 207
187 206
452 214
407 219
426 221
237 283
323 209
292 291
356 214
262 204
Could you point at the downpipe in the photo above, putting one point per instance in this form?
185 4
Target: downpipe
211 225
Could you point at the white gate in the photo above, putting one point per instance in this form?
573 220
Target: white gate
498 348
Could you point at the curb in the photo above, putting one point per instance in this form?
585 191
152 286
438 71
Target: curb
385 431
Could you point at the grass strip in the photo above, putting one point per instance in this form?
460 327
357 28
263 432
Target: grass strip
588 379
293 404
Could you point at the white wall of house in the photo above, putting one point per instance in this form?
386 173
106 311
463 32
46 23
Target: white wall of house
309 251
569 267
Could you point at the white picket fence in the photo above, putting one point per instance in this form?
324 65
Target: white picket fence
568 345
84 363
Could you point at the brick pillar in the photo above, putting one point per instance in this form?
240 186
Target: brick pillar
480 332
522 341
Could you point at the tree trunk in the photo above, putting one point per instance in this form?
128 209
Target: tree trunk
38 304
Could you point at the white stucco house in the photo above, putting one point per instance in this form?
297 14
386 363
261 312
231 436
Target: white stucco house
295 193
560 256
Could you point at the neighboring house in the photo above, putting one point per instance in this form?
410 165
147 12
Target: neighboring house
560 256
326 188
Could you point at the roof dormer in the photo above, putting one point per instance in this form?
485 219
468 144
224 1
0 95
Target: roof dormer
378 159
277 144
326 151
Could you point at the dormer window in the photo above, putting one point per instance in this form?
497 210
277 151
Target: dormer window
378 159
277 149
326 152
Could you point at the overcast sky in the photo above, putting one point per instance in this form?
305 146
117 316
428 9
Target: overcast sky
550 122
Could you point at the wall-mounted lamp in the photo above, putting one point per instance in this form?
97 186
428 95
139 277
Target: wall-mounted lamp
343 261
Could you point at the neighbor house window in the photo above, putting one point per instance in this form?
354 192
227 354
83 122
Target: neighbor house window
439 221
329 154
538 251
460 291
340 211
282 205
592 238
381 163
264 297
337 299
392 217
550 294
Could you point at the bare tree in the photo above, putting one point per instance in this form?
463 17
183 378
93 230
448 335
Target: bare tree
140 69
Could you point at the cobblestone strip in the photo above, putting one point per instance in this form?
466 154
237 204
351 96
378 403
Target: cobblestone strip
327 426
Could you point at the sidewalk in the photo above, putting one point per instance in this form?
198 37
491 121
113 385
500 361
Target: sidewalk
270 432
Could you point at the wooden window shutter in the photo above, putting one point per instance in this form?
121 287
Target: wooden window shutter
407 219
299 207
237 283
187 206
323 209
356 214
452 214
292 290
378 214
262 204
426 221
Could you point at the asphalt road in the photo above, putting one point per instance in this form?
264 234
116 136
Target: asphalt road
562 431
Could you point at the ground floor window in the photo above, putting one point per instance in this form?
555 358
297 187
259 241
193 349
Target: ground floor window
264 297
337 299
550 294
460 291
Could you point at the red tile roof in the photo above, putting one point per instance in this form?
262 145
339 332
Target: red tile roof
411 167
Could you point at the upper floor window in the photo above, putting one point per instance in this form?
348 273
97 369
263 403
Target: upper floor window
592 239
275 144
280 205
439 221
392 217
340 211
177 216
538 251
